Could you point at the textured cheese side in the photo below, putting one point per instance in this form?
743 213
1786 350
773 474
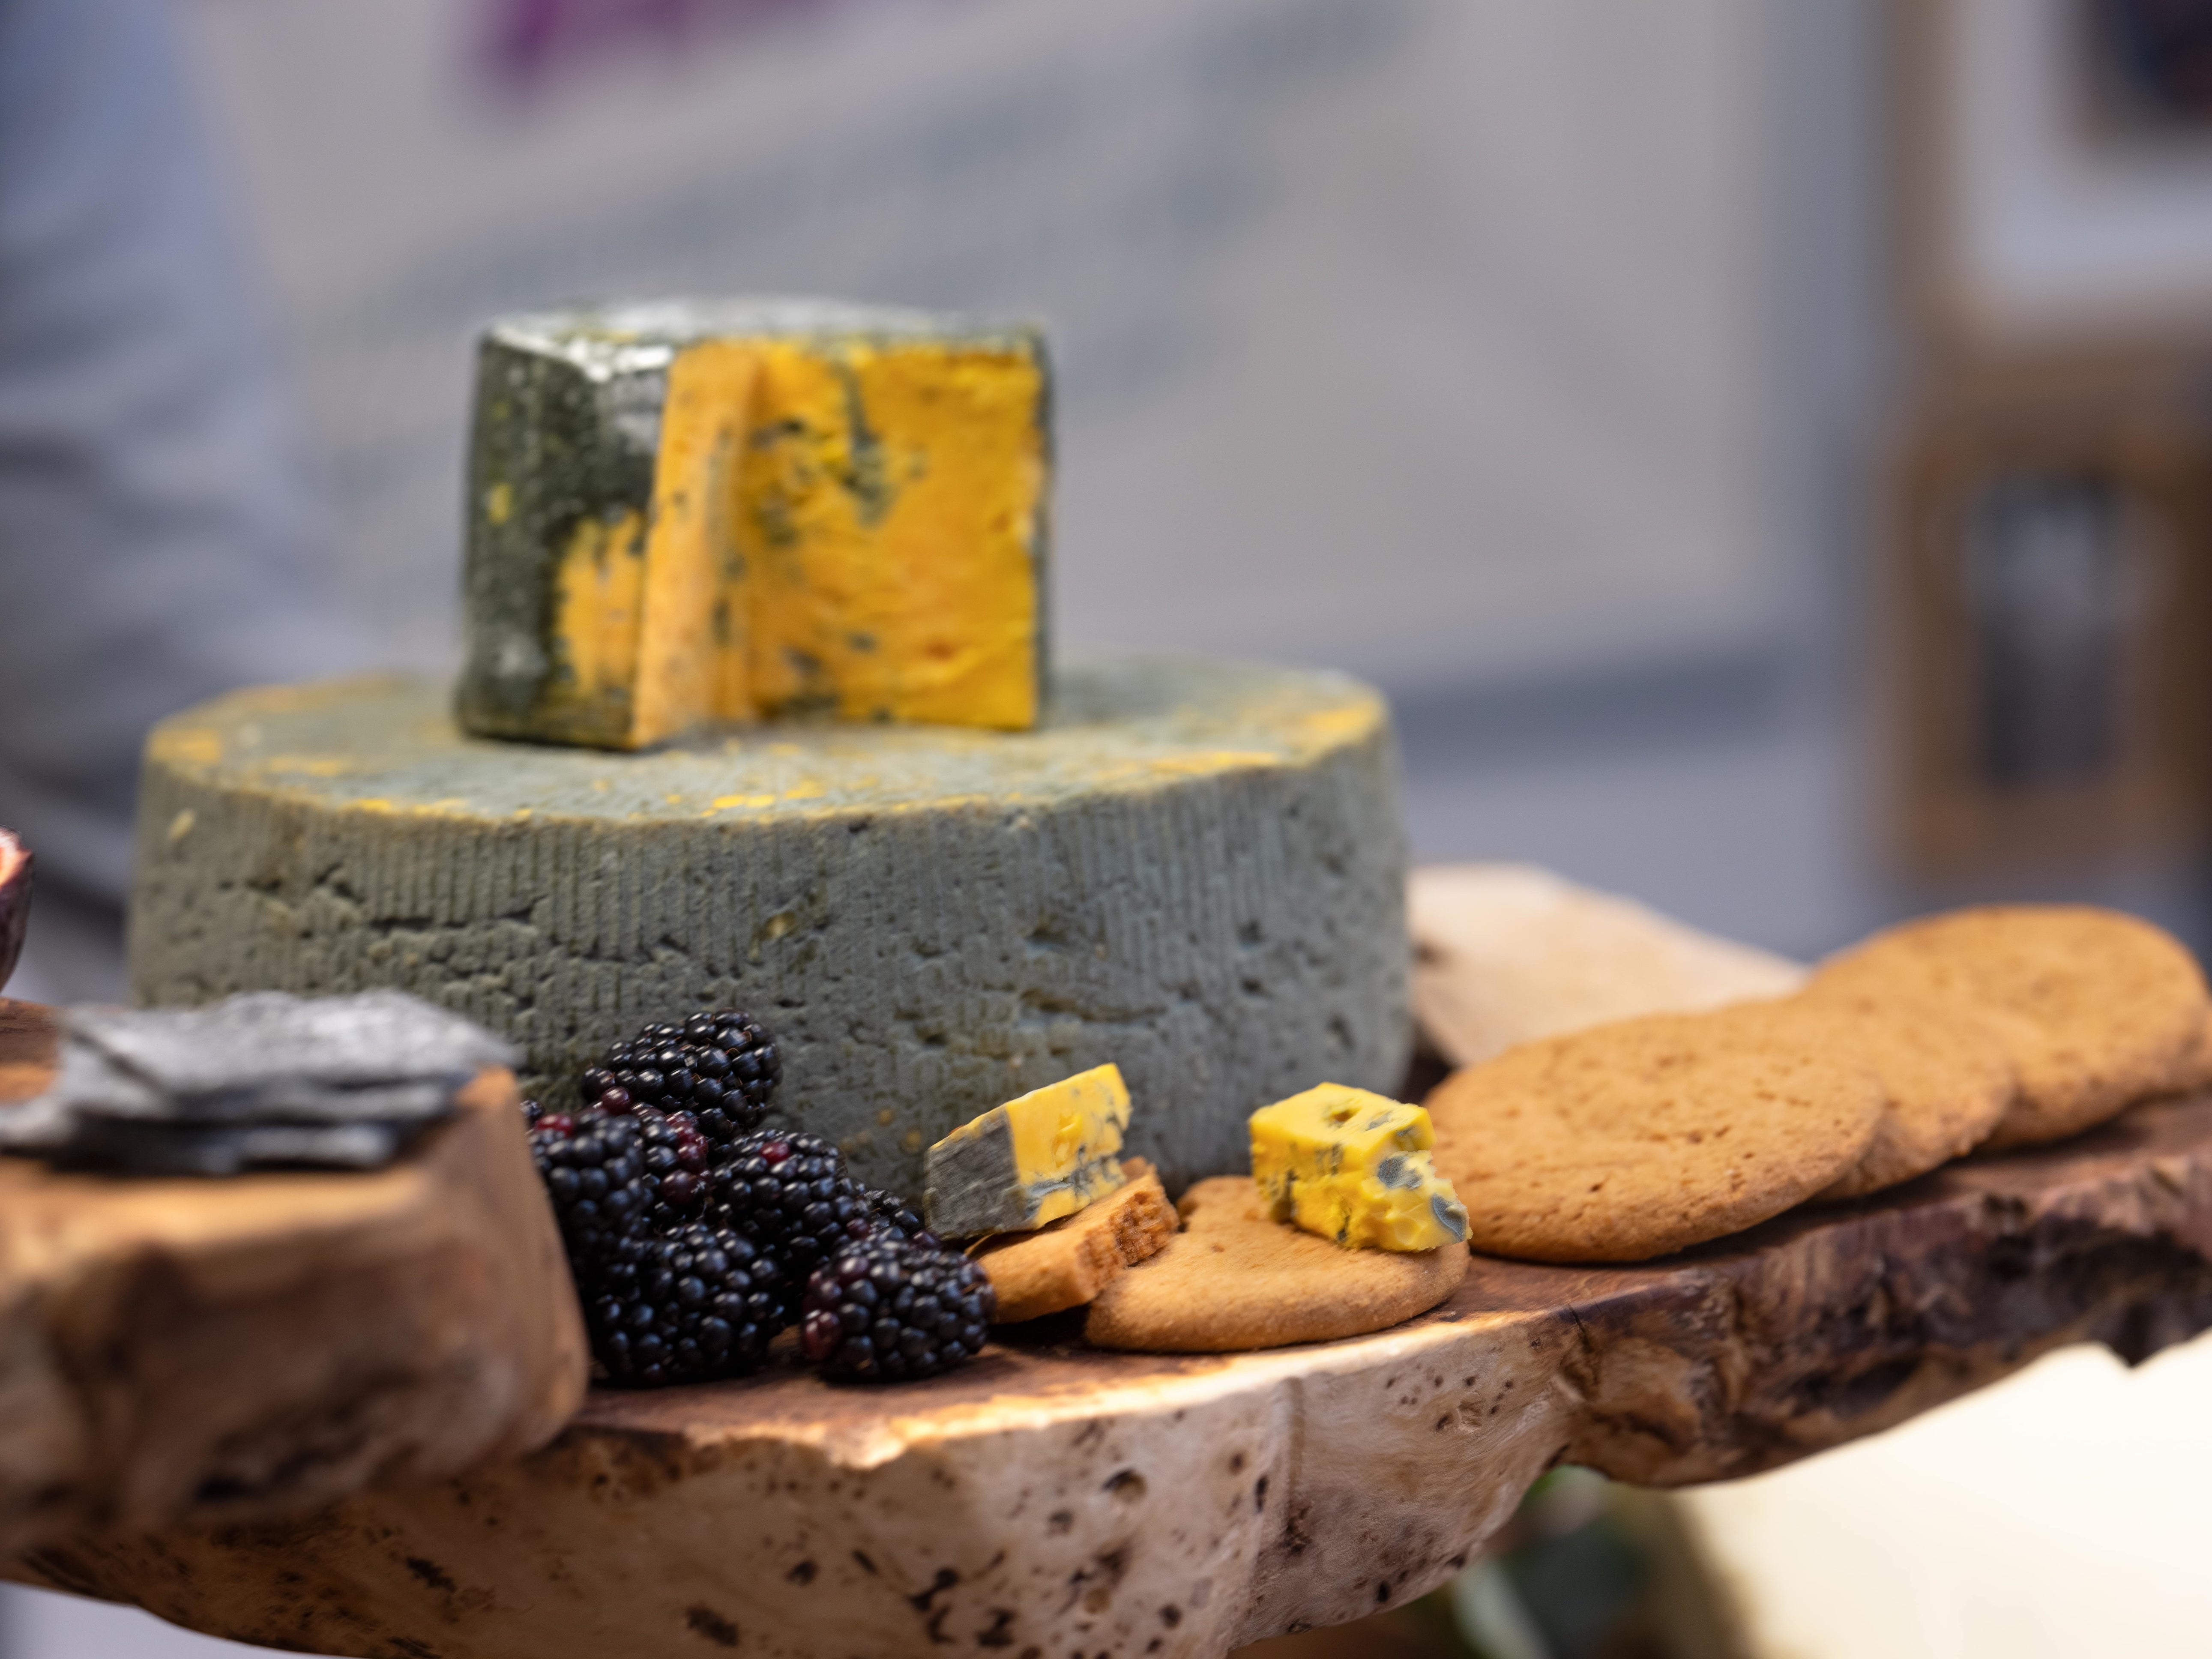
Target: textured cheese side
931 916
1041 1156
553 585
895 495
1354 1167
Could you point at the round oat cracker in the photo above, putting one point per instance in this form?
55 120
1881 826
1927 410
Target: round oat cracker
1633 1139
1946 1070
1233 1279
2196 1069
2096 1009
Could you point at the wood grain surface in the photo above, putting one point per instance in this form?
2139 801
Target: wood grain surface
1050 1499
188 1351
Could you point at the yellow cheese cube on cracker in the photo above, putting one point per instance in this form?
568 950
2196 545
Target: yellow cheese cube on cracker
1354 1167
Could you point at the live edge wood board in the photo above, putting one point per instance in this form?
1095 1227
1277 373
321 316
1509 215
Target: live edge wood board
1051 1501
191 1350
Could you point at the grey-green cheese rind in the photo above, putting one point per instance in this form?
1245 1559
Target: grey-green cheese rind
1193 869
552 444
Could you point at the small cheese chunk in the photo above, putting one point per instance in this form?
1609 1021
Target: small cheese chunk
1033 1160
1354 1167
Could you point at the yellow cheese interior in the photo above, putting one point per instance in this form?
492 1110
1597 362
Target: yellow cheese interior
650 615
842 526
1354 1167
892 494
695 649
1067 1141
598 603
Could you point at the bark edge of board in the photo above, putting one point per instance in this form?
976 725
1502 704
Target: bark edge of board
193 1351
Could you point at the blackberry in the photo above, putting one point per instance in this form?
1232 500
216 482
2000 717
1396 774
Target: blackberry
721 1067
677 1157
892 1309
889 1214
593 1169
688 1306
789 1189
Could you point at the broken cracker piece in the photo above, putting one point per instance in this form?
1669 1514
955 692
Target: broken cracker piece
1066 1263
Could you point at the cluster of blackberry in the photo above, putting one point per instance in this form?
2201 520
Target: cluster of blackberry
695 1236
718 1068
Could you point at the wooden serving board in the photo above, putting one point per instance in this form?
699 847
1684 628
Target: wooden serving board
191 1351
1052 1500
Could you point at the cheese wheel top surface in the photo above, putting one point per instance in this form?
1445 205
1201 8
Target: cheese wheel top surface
392 746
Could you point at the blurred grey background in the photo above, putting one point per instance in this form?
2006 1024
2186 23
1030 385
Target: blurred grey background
1524 359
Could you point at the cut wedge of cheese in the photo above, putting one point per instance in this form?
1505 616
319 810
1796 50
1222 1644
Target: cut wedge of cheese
703 510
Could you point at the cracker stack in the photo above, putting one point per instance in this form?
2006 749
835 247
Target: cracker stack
1999 1027
2095 1010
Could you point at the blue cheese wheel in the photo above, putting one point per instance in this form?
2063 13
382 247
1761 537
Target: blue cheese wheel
1195 871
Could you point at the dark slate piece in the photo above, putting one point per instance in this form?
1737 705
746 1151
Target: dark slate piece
265 1042
124 1147
263 1081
